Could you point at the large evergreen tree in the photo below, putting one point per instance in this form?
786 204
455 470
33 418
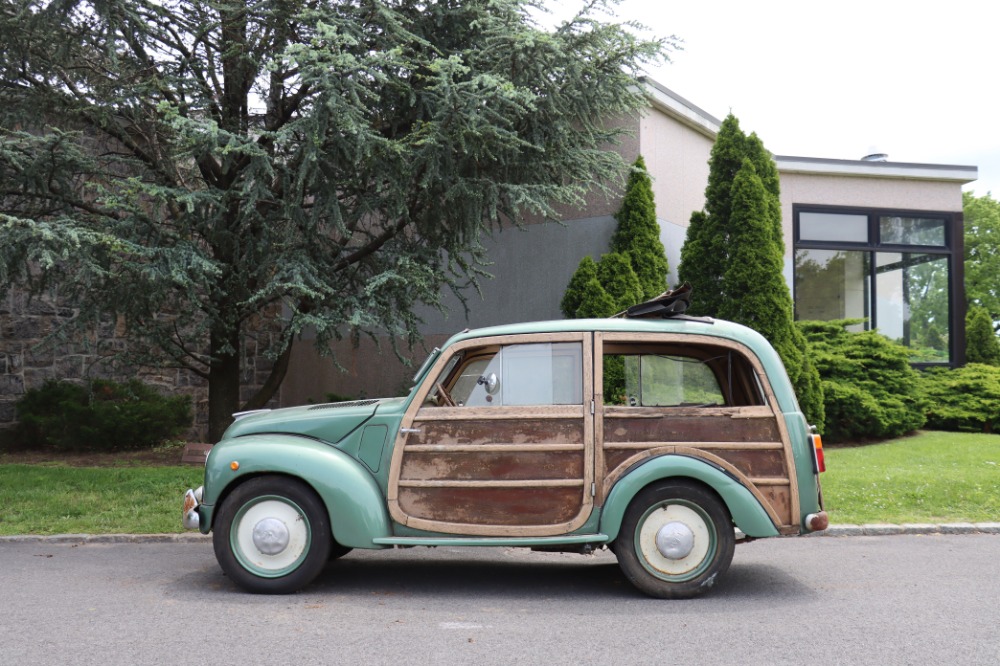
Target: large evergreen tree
734 255
336 161
982 258
638 233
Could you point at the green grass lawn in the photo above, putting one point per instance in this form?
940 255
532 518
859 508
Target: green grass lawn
931 477
56 499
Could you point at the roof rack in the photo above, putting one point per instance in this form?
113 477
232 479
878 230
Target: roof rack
671 303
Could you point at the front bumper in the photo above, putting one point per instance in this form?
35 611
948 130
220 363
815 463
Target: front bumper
191 517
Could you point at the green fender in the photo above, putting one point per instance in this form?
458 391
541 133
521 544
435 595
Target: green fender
356 506
746 511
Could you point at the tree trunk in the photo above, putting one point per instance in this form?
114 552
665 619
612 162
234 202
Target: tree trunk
278 371
223 383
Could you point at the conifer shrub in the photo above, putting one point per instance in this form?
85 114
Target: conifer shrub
981 344
870 390
595 303
619 280
638 234
576 290
99 416
962 399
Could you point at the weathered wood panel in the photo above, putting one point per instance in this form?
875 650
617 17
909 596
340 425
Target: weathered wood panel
690 429
780 498
513 431
492 506
516 466
752 444
754 462
751 462
525 453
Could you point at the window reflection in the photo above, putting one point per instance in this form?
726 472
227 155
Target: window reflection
905 295
832 284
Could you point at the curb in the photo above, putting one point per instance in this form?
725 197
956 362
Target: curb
832 531
885 529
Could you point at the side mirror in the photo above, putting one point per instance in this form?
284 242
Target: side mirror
491 382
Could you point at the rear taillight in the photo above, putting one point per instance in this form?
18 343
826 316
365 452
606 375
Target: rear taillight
818 452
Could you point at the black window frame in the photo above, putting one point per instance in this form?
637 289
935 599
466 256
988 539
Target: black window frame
953 250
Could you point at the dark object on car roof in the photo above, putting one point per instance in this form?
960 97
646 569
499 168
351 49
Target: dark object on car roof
670 303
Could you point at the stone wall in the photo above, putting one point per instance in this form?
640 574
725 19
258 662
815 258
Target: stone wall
26 363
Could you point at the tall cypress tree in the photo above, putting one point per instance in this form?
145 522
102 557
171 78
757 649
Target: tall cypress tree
638 233
734 255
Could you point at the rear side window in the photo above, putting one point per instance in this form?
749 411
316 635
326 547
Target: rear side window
678 376
667 381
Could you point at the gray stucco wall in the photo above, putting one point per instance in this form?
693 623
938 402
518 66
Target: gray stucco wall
531 268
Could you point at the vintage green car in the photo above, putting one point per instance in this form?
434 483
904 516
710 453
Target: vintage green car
664 439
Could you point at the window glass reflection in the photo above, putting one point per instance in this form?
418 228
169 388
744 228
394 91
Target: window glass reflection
912 303
832 284
896 230
833 227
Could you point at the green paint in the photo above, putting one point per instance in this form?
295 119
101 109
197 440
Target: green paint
747 512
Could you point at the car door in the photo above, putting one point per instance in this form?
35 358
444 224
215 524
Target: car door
499 440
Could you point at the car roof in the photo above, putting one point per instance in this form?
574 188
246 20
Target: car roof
681 324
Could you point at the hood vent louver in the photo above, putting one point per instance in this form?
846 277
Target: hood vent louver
350 403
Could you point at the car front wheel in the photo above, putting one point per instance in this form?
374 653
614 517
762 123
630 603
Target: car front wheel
273 535
676 539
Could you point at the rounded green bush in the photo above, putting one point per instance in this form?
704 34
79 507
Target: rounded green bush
100 415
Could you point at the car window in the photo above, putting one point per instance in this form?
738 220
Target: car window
520 374
649 377
667 381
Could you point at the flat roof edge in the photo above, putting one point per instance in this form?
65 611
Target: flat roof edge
680 109
907 170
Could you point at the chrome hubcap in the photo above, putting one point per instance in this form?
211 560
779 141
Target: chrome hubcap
675 541
270 536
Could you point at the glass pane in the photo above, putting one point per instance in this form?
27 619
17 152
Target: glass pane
897 230
665 381
835 227
912 306
832 284
543 374
468 390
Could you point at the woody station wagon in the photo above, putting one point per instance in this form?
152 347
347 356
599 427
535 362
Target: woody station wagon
663 438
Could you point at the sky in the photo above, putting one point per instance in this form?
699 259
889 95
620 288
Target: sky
915 80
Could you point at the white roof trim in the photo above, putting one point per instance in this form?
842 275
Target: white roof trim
680 109
858 168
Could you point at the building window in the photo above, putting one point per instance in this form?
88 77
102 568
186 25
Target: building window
895 270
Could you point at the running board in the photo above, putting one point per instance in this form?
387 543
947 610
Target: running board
492 541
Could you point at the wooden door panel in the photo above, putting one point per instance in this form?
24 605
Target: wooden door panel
500 469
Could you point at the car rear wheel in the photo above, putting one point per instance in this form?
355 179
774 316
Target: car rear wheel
676 539
273 535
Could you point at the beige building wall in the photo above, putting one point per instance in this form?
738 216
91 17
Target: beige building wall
865 192
676 139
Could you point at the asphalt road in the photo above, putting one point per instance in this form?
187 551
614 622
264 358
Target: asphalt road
854 600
